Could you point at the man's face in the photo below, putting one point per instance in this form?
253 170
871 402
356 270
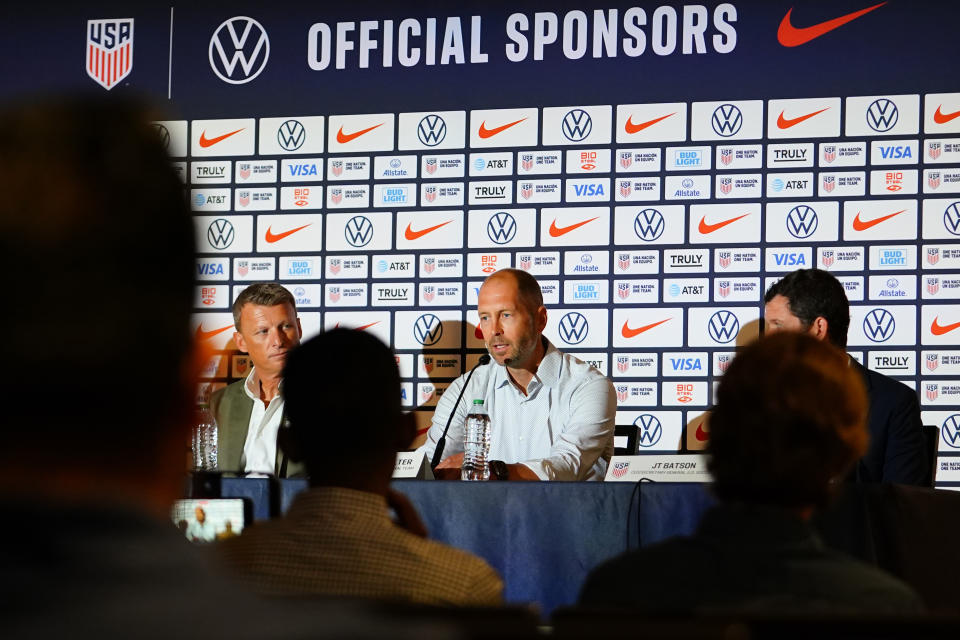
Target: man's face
778 317
510 330
268 334
200 515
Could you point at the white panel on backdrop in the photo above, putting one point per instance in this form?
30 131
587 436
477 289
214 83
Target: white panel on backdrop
211 199
842 154
173 134
224 234
442 166
394 167
655 122
686 158
588 161
941 218
879 220
782 156
648 328
296 170
211 172
887 182
541 263
657 430
886 325
376 322
344 266
638 160
491 164
212 269
504 127
290 232
347 168
213 330
391 265
501 228
941 113
229 137
539 191
837 184
574 226
638 225
803 118
896 115
445 265
803 221
577 328
635 365
255 199
539 162
368 132
724 223
368 231
288 135
893 257
735 120
429 229
442 194
577 125
211 296
736 260
739 156
942 151
898 152
940 286
722 326
346 295
439 329
262 269
429 130
940 324
941 181
301 197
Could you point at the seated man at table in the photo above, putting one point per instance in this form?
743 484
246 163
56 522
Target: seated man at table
337 538
249 412
552 416
790 419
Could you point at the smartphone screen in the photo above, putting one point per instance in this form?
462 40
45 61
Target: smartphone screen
209 520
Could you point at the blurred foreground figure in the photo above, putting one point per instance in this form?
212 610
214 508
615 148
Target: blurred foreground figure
342 392
789 421
97 244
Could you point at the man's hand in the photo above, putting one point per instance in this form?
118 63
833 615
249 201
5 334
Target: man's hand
449 468
407 516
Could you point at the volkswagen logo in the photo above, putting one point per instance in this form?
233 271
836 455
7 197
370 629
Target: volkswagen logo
163 134
574 328
239 50
879 325
358 231
291 135
802 221
882 115
428 329
432 130
723 326
220 233
727 120
950 431
501 228
577 125
649 225
649 430
951 218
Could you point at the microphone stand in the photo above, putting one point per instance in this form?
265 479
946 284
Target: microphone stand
442 442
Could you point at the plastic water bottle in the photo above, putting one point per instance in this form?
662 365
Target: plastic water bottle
476 444
205 440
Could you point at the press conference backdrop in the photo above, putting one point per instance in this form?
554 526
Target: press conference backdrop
655 165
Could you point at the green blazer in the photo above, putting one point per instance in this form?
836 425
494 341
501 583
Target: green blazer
231 408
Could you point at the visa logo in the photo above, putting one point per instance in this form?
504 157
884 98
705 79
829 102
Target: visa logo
209 269
302 170
790 259
588 189
686 364
895 152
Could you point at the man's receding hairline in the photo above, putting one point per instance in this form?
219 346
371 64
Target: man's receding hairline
250 303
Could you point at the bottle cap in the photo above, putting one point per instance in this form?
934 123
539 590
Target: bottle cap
478 401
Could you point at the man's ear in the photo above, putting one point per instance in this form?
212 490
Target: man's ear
406 431
541 317
819 328
240 342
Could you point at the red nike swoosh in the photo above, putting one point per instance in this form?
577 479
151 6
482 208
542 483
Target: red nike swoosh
366 326
209 142
273 237
344 138
786 123
634 128
710 228
410 234
701 435
202 335
483 132
627 332
938 330
556 231
791 36
942 118
863 225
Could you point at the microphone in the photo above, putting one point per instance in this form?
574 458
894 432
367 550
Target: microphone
442 442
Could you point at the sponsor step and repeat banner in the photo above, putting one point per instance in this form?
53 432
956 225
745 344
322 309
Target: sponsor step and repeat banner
656 166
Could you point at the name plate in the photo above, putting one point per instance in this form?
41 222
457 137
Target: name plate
675 468
412 464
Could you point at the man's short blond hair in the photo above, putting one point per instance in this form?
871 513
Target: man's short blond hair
262 294
528 289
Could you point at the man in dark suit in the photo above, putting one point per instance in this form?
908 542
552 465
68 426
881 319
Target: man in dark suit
813 301
250 412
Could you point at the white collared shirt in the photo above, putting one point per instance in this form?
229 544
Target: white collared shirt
260 448
562 429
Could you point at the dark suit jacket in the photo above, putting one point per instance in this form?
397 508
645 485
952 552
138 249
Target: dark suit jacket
897 452
231 407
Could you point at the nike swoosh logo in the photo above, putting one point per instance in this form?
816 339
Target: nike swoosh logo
790 36
202 335
786 123
938 330
556 231
635 128
710 228
273 237
487 133
863 225
344 138
410 234
701 435
627 332
943 118
209 142
366 326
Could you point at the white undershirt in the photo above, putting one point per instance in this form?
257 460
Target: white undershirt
260 448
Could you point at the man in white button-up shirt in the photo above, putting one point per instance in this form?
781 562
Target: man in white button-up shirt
552 416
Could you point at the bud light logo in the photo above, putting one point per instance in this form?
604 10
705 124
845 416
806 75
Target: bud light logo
802 221
574 328
577 125
649 225
950 431
727 120
649 430
358 231
723 327
428 329
882 115
879 325
501 228
431 131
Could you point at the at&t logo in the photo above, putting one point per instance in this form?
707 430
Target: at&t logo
649 430
239 42
501 228
428 329
802 221
723 326
291 135
649 225
432 130
220 233
574 328
358 231
577 125
879 325
727 120
882 115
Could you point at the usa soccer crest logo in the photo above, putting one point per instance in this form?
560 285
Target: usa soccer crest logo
933 286
334 266
429 194
724 258
526 261
336 196
243 170
429 264
626 188
827 258
829 153
623 290
243 198
626 159
934 149
933 361
934 179
726 185
526 161
829 182
933 255
623 261
109 50
623 363
623 392
620 469
723 288
336 167
430 164
526 190
428 293
334 294
726 155
933 391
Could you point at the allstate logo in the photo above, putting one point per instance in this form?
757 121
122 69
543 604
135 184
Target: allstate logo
577 125
239 42
879 325
220 233
727 120
882 115
291 135
951 218
649 225
649 430
432 130
723 326
501 228
358 231
802 221
574 328
428 329
950 431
